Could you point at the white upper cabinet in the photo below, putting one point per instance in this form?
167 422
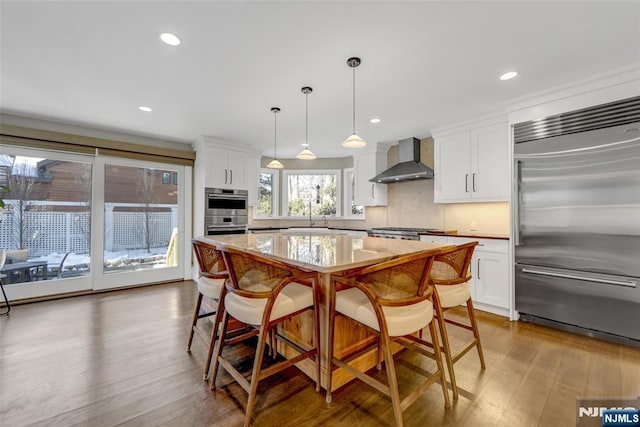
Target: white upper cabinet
227 169
472 164
220 164
367 164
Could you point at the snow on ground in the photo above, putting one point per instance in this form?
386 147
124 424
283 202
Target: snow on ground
115 260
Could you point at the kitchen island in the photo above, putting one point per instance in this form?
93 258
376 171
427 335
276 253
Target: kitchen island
325 254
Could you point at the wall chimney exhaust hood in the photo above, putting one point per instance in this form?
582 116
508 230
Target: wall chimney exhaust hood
408 168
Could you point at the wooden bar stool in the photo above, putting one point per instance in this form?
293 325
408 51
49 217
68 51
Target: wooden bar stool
264 293
393 299
211 278
450 275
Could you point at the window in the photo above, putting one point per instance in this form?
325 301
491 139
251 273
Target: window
351 209
166 177
315 190
267 189
48 215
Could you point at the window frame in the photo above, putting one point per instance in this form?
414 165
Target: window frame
275 193
350 174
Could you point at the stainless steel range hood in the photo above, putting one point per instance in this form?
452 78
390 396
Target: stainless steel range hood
408 168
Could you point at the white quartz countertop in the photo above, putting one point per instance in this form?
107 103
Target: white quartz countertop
322 252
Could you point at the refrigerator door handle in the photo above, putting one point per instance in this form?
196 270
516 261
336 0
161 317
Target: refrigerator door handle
518 203
630 283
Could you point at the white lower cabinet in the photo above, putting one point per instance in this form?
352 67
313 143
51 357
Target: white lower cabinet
489 270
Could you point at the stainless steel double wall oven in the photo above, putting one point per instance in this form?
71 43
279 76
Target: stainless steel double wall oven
225 211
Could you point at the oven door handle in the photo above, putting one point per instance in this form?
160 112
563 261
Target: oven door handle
225 227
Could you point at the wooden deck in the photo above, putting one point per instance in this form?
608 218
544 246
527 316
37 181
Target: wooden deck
118 358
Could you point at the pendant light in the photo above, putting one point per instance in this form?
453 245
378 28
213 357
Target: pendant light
275 164
354 141
306 154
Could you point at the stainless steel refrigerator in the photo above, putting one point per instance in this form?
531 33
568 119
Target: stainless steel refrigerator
577 221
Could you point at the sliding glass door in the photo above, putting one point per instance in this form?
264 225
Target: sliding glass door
142 216
46 224
74 223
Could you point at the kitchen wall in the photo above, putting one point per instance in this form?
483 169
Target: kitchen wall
410 203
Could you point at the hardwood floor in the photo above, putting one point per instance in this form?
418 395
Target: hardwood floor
119 358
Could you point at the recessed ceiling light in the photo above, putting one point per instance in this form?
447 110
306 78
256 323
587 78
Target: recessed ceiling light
509 75
145 108
375 120
170 39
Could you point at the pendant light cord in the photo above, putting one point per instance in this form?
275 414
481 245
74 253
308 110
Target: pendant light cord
354 100
306 121
275 135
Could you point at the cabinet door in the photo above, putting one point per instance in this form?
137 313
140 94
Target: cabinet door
490 163
216 172
237 170
433 239
366 166
491 278
452 168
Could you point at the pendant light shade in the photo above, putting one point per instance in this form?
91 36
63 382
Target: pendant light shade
306 153
275 164
354 141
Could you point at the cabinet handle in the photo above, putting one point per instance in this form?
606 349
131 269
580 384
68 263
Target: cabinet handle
373 186
518 197
466 182
225 176
478 269
473 182
230 176
631 284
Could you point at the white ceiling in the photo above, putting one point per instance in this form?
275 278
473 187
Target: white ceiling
424 64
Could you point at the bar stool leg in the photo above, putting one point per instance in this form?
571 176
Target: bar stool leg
476 332
438 357
447 348
316 330
257 364
385 342
6 300
332 324
193 322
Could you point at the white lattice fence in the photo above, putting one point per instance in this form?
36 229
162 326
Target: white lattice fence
61 232
6 230
129 230
47 232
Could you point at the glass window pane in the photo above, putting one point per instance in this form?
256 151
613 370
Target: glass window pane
356 210
317 192
140 219
266 193
46 224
